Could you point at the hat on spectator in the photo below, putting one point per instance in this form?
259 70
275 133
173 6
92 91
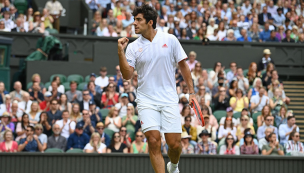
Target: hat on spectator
5 114
100 124
204 132
248 134
184 95
185 135
205 40
229 109
267 51
124 95
47 94
92 102
79 125
92 74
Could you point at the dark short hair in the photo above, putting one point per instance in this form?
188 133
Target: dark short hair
186 117
287 20
287 30
64 111
85 91
54 100
272 31
290 117
103 69
73 82
32 128
267 117
148 13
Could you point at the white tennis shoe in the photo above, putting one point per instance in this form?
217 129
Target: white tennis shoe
169 168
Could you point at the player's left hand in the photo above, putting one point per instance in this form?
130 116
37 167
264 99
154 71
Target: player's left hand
192 96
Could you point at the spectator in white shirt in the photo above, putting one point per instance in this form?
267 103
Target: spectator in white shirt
3 28
9 24
25 105
214 37
259 101
243 82
67 126
102 80
162 26
111 32
246 7
211 26
123 104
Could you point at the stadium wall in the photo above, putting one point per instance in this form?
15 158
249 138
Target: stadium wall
140 163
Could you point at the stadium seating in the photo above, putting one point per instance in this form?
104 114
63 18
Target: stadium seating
53 150
75 150
46 85
219 114
75 77
81 86
237 115
104 113
21 6
62 77
66 86
109 132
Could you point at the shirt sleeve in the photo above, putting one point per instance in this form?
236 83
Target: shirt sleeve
131 58
88 147
178 51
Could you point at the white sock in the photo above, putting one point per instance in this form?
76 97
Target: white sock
174 166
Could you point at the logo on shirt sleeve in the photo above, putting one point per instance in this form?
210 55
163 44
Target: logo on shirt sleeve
140 50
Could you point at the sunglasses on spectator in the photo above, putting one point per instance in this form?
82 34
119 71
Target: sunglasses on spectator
139 136
229 138
188 120
268 119
228 119
202 88
99 128
222 90
38 129
29 130
85 94
244 120
54 103
123 130
116 136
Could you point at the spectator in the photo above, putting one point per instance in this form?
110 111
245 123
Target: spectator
230 36
15 113
229 148
42 137
47 19
211 129
259 101
113 121
138 146
256 86
6 106
239 102
268 123
74 96
264 16
274 82
102 80
192 60
22 126
36 78
111 32
265 34
66 125
96 22
242 127
281 117
254 32
288 39
128 21
187 148
18 92
109 97
37 26
249 147
272 37
301 39
295 33
56 140
116 146
267 75
95 145
233 71
221 31
8 145
205 146
6 6
123 104
286 129
64 104
125 137
3 92
204 80
265 141
43 120
55 93
221 102
34 113
3 28
277 101
95 115
75 114
130 91
8 23
265 112
45 105
213 75
78 139
130 119
6 123
95 93
280 34
232 88
84 104
279 18
88 125
31 143
243 82
202 94
214 36
191 130
253 73
55 8
162 26
196 73
227 129
102 28
60 87
273 148
243 113
186 111
54 113
294 146
104 137
244 36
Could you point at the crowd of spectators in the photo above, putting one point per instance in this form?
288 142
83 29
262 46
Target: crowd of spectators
71 118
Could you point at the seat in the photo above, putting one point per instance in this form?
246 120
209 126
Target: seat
255 116
209 69
245 71
66 86
29 85
227 70
219 114
81 86
53 150
237 115
75 150
104 113
21 6
46 85
109 132
61 76
75 77
131 134
52 31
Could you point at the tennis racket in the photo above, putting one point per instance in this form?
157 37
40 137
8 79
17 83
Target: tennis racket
197 111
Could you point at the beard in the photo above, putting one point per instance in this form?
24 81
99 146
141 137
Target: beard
56 132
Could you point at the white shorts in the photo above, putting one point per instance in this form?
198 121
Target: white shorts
165 119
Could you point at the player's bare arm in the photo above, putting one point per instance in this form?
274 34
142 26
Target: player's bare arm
125 69
187 77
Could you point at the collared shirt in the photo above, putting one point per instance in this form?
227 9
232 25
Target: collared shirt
55 116
261 131
76 141
92 4
294 146
70 96
26 106
66 129
279 20
87 128
211 148
31 146
256 99
243 39
264 35
283 129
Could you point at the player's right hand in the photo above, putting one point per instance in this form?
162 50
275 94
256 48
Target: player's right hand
122 43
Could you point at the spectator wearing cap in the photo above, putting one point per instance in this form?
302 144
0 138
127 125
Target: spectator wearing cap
84 104
249 147
192 60
56 140
205 146
265 34
272 26
6 123
74 96
130 91
78 139
273 147
191 130
262 64
259 100
187 148
45 105
229 148
286 129
67 127
268 119
42 137
31 143
25 105
288 38
130 119
272 37
123 104
35 94
211 129
18 92
279 18
88 125
221 102
54 113
104 137
102 80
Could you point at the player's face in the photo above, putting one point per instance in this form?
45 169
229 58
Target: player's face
140 24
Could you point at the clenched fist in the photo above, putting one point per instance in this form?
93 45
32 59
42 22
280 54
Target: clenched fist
122 43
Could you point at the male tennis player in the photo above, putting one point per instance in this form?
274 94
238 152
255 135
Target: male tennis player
154 55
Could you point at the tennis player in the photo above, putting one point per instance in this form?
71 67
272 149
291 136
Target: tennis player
155 55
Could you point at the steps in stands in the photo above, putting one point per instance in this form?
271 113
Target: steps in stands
295 91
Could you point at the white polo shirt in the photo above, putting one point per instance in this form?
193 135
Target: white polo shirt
155 63
66 129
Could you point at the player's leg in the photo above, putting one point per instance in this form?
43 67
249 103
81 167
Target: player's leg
175 147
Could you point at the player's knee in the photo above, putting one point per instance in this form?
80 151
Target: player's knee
154 143
174 145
